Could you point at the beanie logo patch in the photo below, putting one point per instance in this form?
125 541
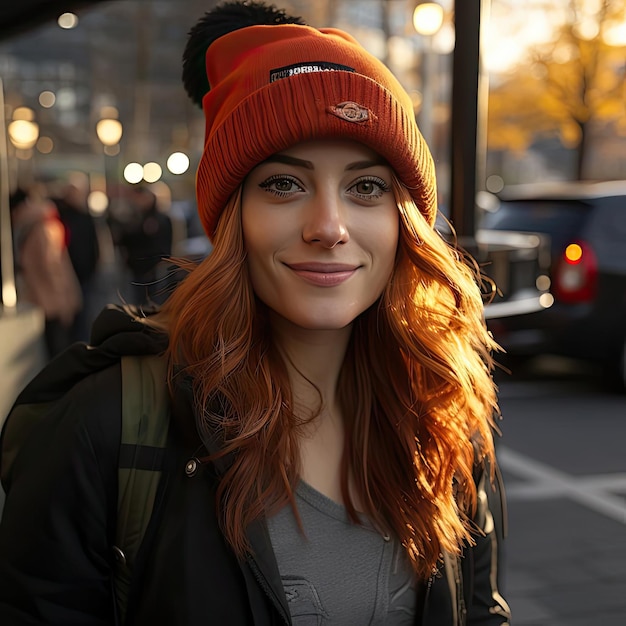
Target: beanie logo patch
350 112
307 68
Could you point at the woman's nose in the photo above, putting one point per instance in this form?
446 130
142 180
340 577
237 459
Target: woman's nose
325 222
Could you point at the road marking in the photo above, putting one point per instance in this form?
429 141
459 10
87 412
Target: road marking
546 481
535 491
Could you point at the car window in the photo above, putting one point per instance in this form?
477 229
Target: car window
609 222
607 233
562 220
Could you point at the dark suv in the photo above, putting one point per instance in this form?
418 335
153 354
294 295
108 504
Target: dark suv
586 227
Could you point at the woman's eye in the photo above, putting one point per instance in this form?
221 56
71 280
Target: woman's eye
281 185
369 188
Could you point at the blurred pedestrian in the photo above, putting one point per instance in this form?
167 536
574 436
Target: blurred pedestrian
332 405
44 273
84 250
144 240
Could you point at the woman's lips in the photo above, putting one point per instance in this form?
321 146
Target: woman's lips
323 274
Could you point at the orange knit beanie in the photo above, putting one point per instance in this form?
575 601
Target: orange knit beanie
272 86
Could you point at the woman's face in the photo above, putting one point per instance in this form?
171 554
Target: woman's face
320 225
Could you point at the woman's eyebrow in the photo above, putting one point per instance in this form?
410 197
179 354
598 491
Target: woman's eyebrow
289 160
363 165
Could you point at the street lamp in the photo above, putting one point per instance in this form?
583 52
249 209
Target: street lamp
23 134
428 18
427 21
109 131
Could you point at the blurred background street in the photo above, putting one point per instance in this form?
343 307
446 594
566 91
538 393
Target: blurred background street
523 103
562 454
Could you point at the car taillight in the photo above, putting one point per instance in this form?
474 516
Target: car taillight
575 278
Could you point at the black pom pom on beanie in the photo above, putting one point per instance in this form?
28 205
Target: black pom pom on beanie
225 18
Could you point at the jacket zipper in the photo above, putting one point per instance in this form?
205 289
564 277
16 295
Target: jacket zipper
268 590
424 608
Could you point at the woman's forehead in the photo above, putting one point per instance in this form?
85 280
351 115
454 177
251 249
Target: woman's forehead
333 146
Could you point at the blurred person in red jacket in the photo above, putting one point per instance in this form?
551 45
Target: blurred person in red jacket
44 273
83 248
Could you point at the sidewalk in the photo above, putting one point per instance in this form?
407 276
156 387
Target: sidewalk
564 465
551 584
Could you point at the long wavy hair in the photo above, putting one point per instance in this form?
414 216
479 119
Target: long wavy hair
416 389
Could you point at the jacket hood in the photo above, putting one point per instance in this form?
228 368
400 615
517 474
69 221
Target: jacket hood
117 331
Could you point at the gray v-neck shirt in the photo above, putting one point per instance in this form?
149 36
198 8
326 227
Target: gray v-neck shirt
338 572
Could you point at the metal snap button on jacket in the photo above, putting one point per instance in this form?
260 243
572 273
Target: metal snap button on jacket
191 467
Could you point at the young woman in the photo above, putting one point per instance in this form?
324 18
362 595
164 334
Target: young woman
332 405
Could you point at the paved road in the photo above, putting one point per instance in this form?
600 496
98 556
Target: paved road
563 454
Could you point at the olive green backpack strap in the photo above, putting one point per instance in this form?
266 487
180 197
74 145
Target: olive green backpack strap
145 422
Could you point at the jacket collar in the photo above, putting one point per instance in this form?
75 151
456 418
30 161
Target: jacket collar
261 561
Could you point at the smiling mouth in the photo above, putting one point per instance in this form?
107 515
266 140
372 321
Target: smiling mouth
323 274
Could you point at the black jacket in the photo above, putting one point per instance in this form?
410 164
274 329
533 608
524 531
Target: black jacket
58 525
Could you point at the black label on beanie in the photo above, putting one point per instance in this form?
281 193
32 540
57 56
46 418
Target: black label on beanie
307 68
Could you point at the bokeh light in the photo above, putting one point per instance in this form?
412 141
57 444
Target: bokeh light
546 300
133 173
428 18
97 201
67 20
45 145
152 172
178 163
23 134
543 282
47 99
109 131
24 113
573 253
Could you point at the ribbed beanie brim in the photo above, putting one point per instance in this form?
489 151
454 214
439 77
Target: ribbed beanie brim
276 86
